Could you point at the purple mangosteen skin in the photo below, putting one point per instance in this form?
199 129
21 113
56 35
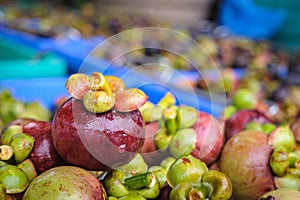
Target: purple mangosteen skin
99 141
240 119
43 155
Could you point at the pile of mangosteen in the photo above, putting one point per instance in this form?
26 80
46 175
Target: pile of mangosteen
109 142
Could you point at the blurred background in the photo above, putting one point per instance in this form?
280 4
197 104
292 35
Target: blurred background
253 43
278 19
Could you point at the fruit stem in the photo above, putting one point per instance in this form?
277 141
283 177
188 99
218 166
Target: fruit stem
139 181
167 100
162 139
171 124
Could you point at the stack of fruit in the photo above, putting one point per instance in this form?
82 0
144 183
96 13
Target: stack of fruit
108 142
90 150
11 109
56 20
267 150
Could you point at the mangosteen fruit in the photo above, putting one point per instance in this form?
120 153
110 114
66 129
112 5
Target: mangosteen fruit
65 182
43 155
100 126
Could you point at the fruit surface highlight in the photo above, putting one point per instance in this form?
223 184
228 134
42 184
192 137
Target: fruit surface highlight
96 141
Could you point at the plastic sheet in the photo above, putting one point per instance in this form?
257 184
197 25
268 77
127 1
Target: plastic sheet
245 18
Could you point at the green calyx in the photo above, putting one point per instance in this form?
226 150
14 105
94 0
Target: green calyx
141 186
136 165
6 152
180 191
279 161
186 169
282 136
139 181
160 173
167 100
101 93
113 184
169 116
214 185
244 99
14 179
9 133
186 116
175 123
131 196
22 145
183 142
145 184
162 139
2 191
28 168
220 183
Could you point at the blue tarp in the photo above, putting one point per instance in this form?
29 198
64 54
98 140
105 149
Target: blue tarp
75 51
245 18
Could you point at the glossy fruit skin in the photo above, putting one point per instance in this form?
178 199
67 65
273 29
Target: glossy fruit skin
210 138
96 141
240 119
65 182
245 159
44 155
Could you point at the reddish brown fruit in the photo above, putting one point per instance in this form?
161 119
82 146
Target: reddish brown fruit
96 141
245 159
210 138
241 118
44 155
